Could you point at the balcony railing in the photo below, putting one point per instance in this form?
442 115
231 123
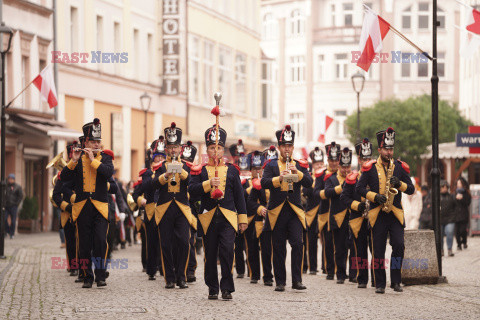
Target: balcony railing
337 35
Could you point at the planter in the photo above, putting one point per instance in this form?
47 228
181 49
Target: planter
28 226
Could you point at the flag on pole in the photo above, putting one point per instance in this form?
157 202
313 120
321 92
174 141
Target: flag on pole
324 123
374 30
44 82
471 39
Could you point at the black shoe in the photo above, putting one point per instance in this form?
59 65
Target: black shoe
254 281
397 288
87 284
73 273
305 271
362 285
170 285
144 270
380 290
79 279
122 246
340 281
191 278
268 283
353 280
324 272
182 285
313 273
465 246
459 248
226 295
298 286
101 283
330 277
280 287
240 276
107 274
151 277
212 296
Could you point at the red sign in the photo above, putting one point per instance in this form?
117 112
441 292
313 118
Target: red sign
474 129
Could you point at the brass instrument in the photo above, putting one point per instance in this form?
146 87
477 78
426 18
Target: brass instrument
58 163
173 168
131 203
390 192
290 178
83 149
367 208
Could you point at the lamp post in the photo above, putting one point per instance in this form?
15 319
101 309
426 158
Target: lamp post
358 80
145 101
4 31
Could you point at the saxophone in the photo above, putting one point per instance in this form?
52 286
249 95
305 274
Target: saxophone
390 192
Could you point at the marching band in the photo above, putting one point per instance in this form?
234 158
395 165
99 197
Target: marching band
254 203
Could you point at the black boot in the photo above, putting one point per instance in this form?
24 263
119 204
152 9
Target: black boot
298 286
397 288
170 285
380 290
280 287
226 295
181 284
87 284
101 283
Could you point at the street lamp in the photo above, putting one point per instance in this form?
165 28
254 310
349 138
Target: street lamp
145 101
358 80
4 31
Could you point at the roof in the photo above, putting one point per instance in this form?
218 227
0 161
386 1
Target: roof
449 150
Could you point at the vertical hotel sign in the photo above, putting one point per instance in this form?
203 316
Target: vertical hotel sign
171 48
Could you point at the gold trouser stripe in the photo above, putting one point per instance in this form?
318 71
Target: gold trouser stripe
246 253
334 251
106 241
233 262
161 255
271 254
324 252
303 256
188 253
373 258
356 256
66 252
307 245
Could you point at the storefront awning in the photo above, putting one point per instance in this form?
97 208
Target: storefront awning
449 150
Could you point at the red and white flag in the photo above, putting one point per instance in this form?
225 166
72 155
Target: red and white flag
374 30
471 40
44 82
323 124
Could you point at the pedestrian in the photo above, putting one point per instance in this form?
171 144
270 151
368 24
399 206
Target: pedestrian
13 199
425 221
412 207
447 215
462 212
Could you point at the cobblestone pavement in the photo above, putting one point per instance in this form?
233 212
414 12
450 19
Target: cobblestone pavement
31 289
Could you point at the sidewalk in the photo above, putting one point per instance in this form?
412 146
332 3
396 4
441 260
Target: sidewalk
31 289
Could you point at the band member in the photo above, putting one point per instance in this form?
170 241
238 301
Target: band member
338 218
240 240
189 151
145 196
333 156
62 196
223 211
286 218
311 213
358 222
387 179
90 170
173 214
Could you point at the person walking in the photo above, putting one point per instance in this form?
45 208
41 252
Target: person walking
447 215
426 214
13 200
462 212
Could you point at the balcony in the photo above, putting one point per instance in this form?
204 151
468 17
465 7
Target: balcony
337 35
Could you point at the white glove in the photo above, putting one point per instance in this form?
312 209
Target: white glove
122 216
135 214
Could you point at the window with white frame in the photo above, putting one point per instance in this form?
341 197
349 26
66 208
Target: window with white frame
340 116
208 55
441 64
270 27
194 66
117 43
74 37
348 14
25 79
240 82
422 71
253 88
441 18
150 57
341 66
136 55
297 23
267 85
225 74
320 67
333 16
407 18
297 69
99 33
423 15
405 73
297 121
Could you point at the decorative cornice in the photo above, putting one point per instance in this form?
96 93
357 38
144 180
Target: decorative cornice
29 6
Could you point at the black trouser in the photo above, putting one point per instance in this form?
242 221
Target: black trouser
311 247
92 230
219 239
461 232
151 236
340 249
111 234
239 258
174 231
328 261
192 260
359 259
143 237
352 274
287 227
266 252
71 243
253 252
387 224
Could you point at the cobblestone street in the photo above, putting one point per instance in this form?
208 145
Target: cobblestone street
31 289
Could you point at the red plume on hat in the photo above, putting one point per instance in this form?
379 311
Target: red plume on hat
189 143
317 148
390 130
96 121
272 148
288 127
365 140
161 138
345 150
173 125
240 141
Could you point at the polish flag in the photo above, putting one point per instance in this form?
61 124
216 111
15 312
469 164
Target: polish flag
374 30
323 124
471 41
44 82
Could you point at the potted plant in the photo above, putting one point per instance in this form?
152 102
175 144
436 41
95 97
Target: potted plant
28 216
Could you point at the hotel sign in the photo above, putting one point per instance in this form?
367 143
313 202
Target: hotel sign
171 46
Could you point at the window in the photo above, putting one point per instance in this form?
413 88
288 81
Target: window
207 71
267 85
348 14
441 64
341 66
194 68
41 65
73 29
136 55
225 74
240 82
253 88
25 80
441 18
321 67
407 18
405 70
117 44
340 116
297 121
297 69
422 70
332 8
150 55
270 27
423 15
297 23
99 33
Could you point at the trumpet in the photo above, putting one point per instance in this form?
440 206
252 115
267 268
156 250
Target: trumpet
83 149
290 178
173 168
